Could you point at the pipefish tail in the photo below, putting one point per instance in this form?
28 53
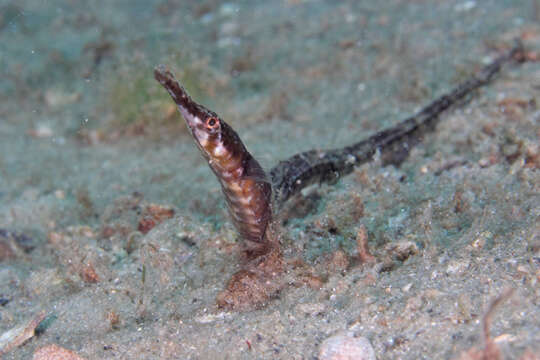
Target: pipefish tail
319 166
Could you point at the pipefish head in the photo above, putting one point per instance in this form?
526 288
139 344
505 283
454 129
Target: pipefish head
208 130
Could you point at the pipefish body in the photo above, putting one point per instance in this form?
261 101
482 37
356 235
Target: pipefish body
247 190
243 181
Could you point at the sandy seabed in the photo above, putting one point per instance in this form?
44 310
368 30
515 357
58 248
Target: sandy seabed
114 233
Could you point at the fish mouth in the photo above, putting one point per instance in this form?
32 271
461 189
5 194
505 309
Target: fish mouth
191 120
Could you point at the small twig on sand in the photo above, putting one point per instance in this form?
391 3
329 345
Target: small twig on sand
491 350
362 246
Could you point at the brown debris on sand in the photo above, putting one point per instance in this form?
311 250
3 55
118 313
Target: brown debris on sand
152 215
254 285
491 351
362 246
18 335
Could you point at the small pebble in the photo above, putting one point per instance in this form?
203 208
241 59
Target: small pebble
55 352
312 309
346 347
456 267
210 318
54 98
465 6
407 287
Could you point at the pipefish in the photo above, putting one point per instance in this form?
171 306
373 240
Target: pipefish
248 190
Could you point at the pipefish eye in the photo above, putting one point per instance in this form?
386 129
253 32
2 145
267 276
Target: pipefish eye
212 123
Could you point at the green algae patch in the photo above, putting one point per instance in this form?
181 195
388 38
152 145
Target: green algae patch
136 105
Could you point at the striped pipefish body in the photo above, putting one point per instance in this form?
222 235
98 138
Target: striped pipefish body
243 181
